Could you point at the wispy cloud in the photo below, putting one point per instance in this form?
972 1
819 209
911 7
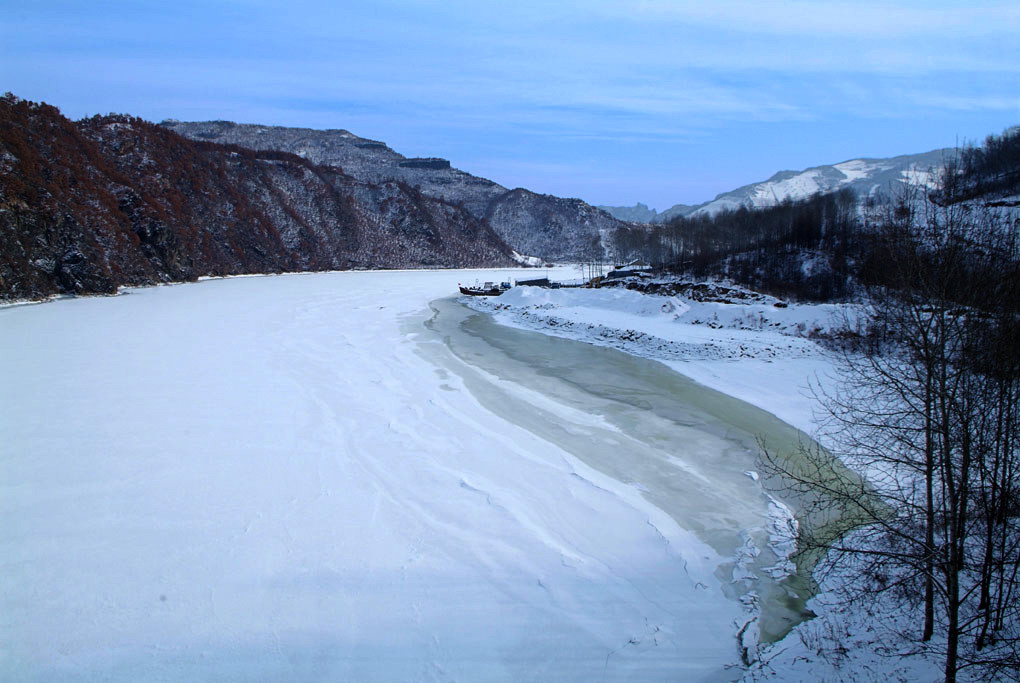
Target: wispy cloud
576 84
873 20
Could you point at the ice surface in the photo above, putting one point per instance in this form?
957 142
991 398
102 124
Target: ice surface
266 478
756 352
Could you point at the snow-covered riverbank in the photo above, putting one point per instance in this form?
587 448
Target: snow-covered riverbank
765 355
755 351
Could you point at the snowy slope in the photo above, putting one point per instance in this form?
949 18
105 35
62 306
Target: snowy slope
265 479
864 176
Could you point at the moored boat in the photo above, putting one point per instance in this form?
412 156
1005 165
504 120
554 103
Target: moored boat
487 289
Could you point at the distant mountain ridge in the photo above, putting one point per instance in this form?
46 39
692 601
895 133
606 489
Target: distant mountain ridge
553 228
865 177
370 161
88 206
639 213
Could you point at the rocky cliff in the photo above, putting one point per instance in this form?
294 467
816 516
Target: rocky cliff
554 227
91 205
539 225
367 160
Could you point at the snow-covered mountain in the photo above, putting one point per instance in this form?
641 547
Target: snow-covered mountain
866 177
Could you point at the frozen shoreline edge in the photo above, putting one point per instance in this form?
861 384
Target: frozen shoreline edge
806 653
677 355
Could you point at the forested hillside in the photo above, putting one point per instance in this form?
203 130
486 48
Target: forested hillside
802 248
991 170
88 206
828 246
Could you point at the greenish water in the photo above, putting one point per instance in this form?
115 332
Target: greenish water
686 447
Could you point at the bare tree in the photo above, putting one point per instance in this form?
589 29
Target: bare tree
927 416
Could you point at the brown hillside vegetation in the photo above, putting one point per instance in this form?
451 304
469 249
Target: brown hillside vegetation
113 200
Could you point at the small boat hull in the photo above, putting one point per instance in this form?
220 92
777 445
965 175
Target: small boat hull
481 291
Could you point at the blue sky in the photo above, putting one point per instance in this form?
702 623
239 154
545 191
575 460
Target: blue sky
658 101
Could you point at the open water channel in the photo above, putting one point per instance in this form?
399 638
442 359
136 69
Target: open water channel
692 451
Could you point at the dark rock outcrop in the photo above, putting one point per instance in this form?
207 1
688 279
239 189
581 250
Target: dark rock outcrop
431 164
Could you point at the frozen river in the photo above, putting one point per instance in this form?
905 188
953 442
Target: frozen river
319 477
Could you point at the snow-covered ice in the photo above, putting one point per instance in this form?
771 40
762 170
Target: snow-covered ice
272 479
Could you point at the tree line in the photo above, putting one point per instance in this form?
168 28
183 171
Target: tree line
928 413
989 169
819 248
800 248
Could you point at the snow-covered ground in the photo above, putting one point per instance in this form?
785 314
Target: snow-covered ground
764 355
268 479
